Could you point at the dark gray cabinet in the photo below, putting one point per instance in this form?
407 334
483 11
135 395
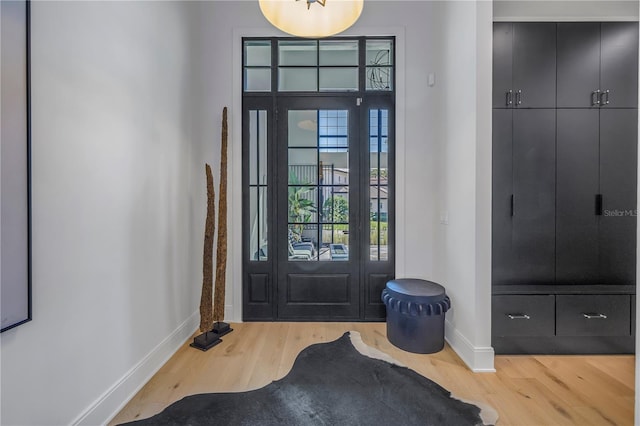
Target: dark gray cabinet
597 64
618 177
564 188
503 262
596 196
619 64
524 65
578 186
524 196
533 210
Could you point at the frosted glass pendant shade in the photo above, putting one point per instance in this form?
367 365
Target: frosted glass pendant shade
296 18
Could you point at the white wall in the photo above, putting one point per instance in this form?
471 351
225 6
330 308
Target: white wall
464 179
114 227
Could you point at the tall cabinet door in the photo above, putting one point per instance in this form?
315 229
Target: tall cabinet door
502 64
502 192
578 64
534 64
576 188
619 64
534 180
524 62
618 177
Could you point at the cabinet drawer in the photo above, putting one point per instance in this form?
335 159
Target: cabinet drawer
593 315
526 315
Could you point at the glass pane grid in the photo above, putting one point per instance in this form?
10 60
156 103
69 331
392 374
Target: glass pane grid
318 185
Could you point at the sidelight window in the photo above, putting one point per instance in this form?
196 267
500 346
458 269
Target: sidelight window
379 183
259 247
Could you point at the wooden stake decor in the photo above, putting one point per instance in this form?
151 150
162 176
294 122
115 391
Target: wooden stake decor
219 327
206 300
208 338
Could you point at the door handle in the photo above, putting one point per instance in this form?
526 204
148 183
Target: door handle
604 98
591 315
598 204
595 97
518 316
519 97
510 97
511 205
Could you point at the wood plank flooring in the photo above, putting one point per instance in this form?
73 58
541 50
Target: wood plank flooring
525 390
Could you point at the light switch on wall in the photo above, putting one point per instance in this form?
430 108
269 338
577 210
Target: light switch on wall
431 79
444 218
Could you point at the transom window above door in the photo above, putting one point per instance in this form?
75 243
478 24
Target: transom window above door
336 65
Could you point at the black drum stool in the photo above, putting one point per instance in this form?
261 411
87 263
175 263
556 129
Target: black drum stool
415 314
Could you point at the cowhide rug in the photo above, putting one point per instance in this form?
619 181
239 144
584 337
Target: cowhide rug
343 382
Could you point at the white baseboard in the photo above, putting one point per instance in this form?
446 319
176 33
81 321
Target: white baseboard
478 359
105 408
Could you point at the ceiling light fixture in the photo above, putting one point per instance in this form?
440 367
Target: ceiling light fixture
303 18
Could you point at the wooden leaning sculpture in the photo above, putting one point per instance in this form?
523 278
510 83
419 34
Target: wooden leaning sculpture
212 325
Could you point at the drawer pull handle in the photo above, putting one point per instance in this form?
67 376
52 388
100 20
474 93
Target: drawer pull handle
518 316
594 316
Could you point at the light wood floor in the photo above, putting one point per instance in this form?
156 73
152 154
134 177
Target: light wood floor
525 390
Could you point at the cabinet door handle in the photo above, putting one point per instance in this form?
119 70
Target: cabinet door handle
591 315
519 97
511 205
518 316
598 204
595 97
604 98
509 97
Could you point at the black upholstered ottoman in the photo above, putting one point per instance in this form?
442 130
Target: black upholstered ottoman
415 314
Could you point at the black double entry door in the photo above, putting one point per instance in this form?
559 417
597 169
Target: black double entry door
320 248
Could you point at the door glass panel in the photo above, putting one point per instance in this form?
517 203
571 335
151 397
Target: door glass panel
379 61
303 128
318 185
303 168
257 63
298 79
379 52
257 53
379 78
338 52
338 79
257 79
378 183
297 53
258 219
258 147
